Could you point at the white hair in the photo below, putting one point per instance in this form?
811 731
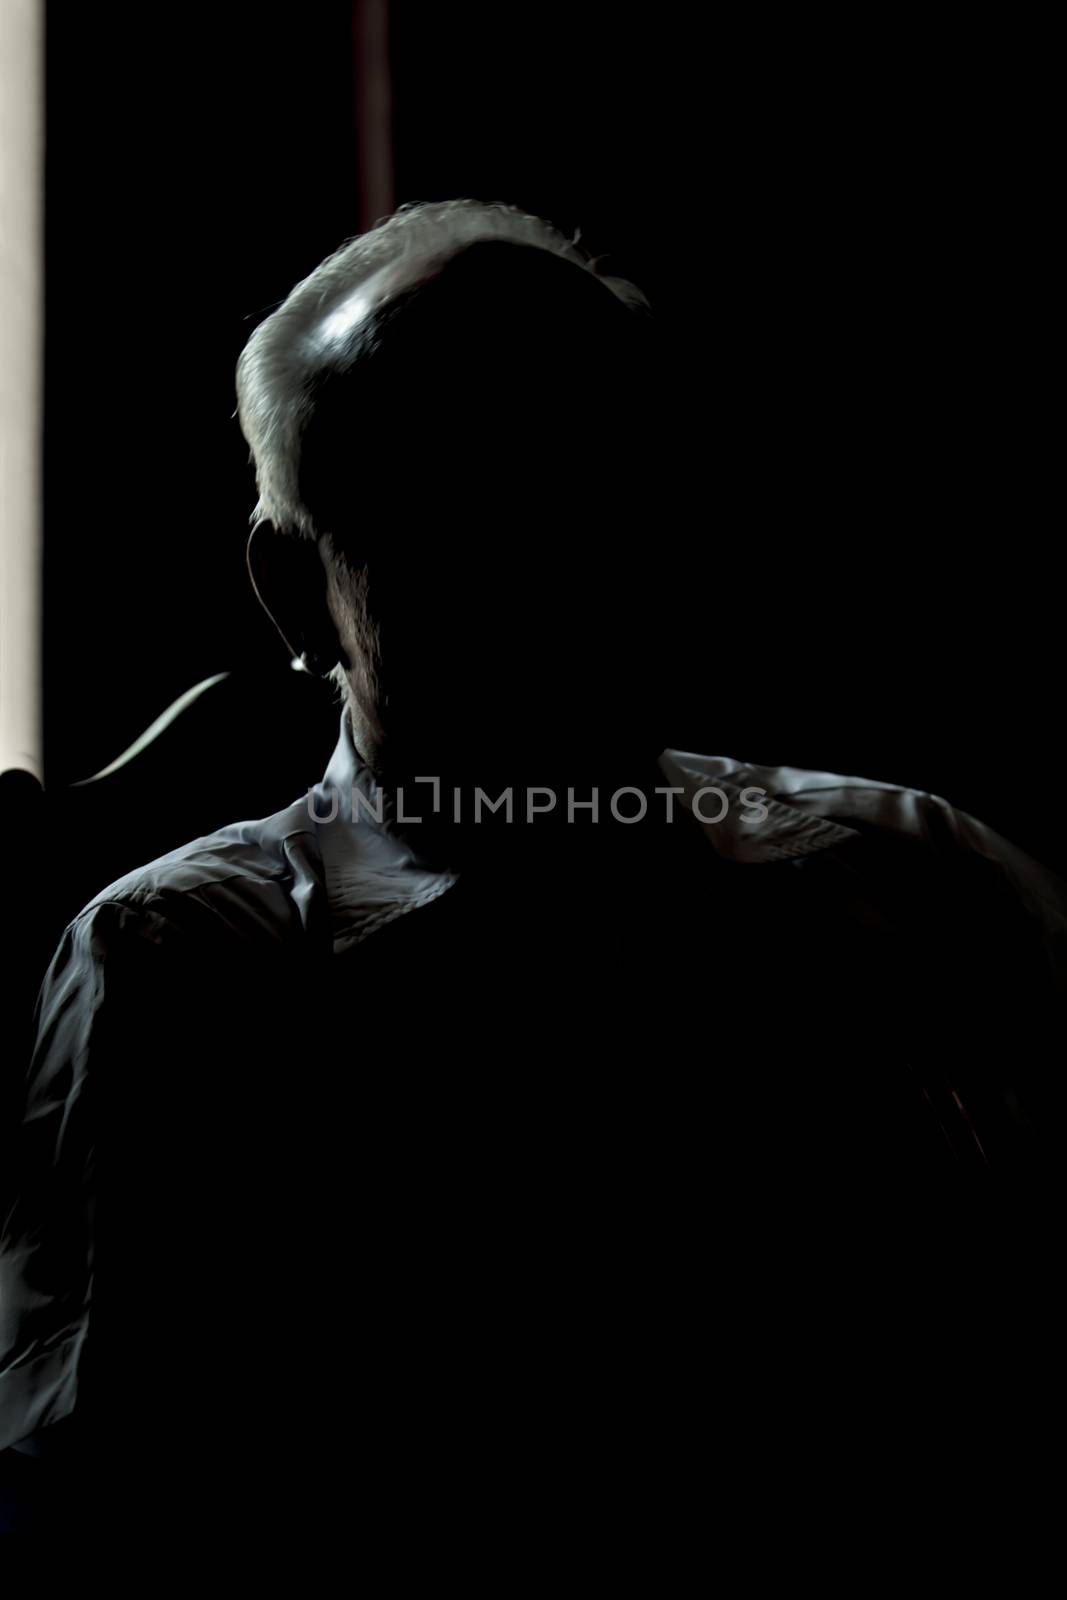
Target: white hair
286 352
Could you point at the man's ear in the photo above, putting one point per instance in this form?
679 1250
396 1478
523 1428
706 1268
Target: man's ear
290 583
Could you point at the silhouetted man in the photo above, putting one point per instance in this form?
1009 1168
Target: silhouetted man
429 1129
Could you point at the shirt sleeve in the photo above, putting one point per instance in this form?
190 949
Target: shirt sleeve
49 1200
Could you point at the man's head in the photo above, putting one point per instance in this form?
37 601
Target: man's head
453 423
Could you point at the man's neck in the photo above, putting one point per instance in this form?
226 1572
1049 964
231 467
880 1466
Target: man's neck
547 826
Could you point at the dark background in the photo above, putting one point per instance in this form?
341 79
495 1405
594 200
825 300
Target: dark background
845 233
845 230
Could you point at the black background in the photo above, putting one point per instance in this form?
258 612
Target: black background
844 230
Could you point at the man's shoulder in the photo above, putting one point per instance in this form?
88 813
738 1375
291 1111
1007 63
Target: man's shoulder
911 848
257 881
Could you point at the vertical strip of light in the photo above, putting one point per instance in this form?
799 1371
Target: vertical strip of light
21 352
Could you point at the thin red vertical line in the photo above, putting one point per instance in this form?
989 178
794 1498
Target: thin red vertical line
373 94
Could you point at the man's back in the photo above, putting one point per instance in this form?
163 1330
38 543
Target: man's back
544 1125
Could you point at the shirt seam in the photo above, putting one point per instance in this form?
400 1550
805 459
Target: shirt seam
390 913
141 901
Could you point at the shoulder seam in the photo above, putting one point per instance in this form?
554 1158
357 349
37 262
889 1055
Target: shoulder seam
146 901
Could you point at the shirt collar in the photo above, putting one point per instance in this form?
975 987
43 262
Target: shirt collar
373 873
750 813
